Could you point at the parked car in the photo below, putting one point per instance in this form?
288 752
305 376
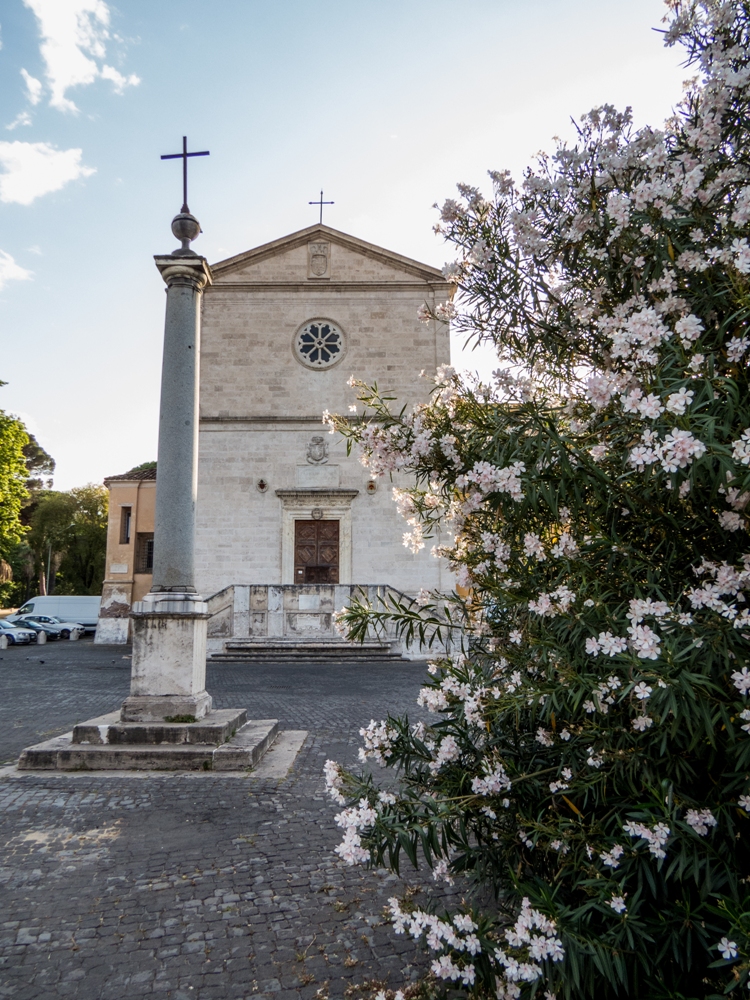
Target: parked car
16 635
70 608
65 627
50 631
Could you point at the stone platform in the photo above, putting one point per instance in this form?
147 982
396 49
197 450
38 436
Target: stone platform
222 741
305 651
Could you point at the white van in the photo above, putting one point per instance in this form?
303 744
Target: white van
71 609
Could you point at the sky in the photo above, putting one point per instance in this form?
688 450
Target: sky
384 104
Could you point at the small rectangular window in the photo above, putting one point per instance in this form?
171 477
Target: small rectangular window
125 518
144 552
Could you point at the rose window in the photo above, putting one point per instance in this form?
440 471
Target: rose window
319 344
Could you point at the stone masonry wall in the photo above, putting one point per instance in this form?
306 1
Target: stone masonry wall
260 407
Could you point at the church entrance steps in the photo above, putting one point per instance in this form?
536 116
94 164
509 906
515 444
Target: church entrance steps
222 741
321 651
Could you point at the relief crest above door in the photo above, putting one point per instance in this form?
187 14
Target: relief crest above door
317 450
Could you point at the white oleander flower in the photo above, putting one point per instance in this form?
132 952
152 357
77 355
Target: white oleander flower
741 448
642 722
727 948
730 520
700 820
688 329
736 347
741 680
656 836
677 402
612 857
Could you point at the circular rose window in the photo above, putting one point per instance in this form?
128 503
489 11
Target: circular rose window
319 344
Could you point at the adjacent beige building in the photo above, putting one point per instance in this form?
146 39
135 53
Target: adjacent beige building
287 523
130 550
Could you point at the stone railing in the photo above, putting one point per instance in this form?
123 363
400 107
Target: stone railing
288 612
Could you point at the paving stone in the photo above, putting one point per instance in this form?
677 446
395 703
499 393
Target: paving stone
191 887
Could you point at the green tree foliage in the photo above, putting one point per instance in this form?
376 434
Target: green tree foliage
72 526
590 758
141 468
40 466
13 476
14 494
25 471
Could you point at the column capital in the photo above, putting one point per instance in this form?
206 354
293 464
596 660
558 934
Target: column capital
191 270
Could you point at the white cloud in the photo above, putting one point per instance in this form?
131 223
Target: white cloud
33 87
10 271
36 168
23 119
74 36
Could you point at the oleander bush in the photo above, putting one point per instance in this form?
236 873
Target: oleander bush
588 762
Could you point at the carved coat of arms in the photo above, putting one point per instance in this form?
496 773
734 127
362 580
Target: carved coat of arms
317 450
319 254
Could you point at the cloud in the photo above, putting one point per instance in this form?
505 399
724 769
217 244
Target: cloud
36 168
74 36
10 271
23 119
33 87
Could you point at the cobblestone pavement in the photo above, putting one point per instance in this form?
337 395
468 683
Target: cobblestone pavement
198 887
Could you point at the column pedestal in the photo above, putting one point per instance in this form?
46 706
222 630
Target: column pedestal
168 671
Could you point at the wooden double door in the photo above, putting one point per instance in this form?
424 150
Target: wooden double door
316 551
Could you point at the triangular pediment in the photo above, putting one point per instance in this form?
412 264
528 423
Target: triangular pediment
339 257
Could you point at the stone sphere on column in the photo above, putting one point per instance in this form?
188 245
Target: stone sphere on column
185 227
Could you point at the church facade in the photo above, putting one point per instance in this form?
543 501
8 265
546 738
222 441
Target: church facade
287 523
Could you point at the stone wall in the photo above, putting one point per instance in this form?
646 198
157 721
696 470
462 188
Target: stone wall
261 408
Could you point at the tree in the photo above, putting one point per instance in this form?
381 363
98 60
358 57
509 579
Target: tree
40 466
13 494
141 468
590 761
72 528
33 468
13 474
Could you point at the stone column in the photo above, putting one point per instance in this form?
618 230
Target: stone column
168 673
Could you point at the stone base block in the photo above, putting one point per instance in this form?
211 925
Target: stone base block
212 744
112 631
215 729
163 708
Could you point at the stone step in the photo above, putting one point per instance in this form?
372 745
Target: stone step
322 644
290 651
241 751
300 656
215 728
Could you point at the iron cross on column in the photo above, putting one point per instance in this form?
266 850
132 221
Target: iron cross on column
184 157
321 203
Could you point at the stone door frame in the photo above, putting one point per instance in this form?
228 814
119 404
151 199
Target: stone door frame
333 505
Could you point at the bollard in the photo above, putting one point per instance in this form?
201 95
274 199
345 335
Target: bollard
3 640
75 634
41 638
